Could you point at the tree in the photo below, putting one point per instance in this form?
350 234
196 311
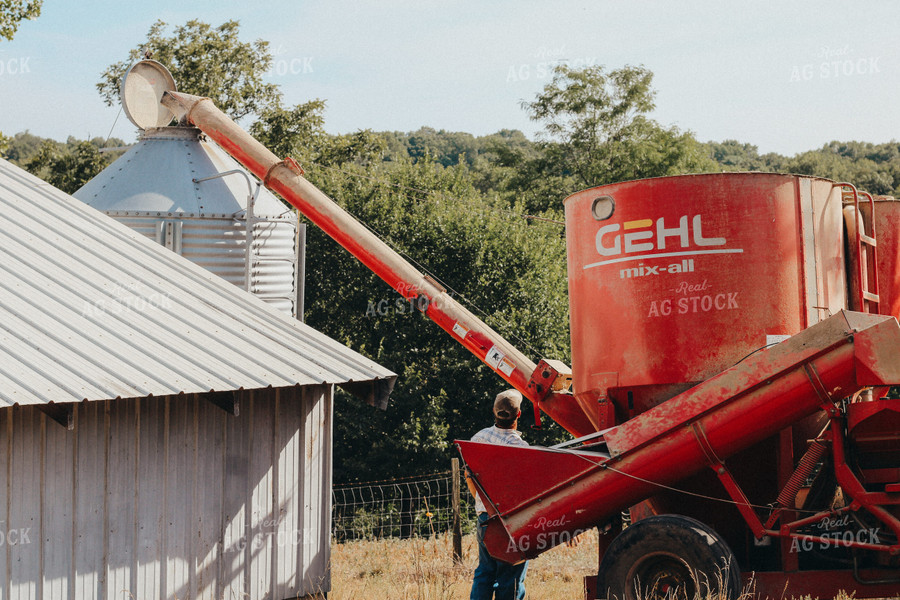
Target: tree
511 268
596 128
4 145
733 155
874 168
13 12
21 147
205 61
299 132
67 168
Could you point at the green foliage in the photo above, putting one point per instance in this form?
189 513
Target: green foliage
4 145
446 148
364 147
596 131
299 132
68 166
21 147
871 167
24 145
512 269
732 155
205 61
599 122
13 12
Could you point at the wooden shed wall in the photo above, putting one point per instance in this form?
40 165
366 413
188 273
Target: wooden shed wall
168 498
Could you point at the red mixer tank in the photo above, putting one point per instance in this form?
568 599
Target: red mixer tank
672 280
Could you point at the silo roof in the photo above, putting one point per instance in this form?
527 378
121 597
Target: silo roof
91 310
157 175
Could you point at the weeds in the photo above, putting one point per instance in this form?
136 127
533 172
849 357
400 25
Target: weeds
423 569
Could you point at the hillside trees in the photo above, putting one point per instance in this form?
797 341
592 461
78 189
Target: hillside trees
510 268
66 166
872 167
299 132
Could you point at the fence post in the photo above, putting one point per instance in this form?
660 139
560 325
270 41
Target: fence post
457 522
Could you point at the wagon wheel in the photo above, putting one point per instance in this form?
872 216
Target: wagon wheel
671 557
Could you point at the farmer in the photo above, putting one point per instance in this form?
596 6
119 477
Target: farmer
493 576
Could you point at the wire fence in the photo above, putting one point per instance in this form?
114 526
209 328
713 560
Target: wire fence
401 508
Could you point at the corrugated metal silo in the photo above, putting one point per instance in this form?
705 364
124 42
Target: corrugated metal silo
182 190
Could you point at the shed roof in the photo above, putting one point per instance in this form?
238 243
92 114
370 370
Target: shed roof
91 310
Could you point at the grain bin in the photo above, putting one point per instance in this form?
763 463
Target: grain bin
179 188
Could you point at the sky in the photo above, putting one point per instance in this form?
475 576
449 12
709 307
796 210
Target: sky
784 76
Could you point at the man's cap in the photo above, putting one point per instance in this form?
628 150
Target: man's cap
507 404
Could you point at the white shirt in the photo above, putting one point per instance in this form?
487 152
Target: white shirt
495 435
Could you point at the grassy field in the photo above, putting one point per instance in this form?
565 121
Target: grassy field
423 569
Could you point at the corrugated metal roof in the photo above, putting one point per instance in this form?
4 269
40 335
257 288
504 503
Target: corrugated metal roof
90 310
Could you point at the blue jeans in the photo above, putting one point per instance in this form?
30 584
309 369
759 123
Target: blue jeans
494 578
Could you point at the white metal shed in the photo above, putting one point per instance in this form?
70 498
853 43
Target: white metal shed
164 433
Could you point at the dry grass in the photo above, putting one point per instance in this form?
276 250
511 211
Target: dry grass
423 569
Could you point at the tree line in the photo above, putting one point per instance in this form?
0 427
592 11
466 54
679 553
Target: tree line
481 213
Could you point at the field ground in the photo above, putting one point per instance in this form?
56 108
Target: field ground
423 569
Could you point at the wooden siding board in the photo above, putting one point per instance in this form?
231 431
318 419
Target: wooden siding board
88 505
6 435
22 533
318 467
179 496
326 403
208 501
308 483
289 535
234 555
262 427
120 498
150 499
57 514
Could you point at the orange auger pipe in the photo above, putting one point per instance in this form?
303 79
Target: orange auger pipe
286 178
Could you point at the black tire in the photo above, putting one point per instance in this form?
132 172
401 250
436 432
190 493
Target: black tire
668 556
